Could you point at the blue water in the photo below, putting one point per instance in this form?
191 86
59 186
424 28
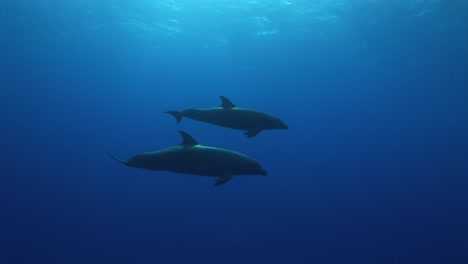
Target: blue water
374 167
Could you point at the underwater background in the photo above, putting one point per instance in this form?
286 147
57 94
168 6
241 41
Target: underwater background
374 167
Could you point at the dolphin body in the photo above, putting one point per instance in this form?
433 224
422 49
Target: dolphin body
231 116
192 158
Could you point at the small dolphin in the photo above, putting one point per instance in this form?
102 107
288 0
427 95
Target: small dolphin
192 158
228 115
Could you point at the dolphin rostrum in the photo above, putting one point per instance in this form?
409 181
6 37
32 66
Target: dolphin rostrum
231 116
190 157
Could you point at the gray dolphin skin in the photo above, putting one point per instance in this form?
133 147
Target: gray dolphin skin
230 116
192 158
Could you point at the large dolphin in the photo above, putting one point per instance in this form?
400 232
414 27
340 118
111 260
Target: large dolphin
228 115
192 158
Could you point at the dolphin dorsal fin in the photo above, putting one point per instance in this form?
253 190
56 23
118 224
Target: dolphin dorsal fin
187 140
227 104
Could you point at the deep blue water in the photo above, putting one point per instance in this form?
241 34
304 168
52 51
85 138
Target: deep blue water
374 168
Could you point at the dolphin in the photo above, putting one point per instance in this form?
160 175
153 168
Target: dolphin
190 157
231 116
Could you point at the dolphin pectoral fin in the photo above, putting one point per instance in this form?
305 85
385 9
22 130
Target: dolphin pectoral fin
227 104
223 179
178 115
252 133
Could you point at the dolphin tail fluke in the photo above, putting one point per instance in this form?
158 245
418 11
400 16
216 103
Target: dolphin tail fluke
178 115
117 159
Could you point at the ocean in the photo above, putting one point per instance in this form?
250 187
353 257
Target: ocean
373 167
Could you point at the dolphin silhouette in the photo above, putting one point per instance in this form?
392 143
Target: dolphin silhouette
192 158
230 116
